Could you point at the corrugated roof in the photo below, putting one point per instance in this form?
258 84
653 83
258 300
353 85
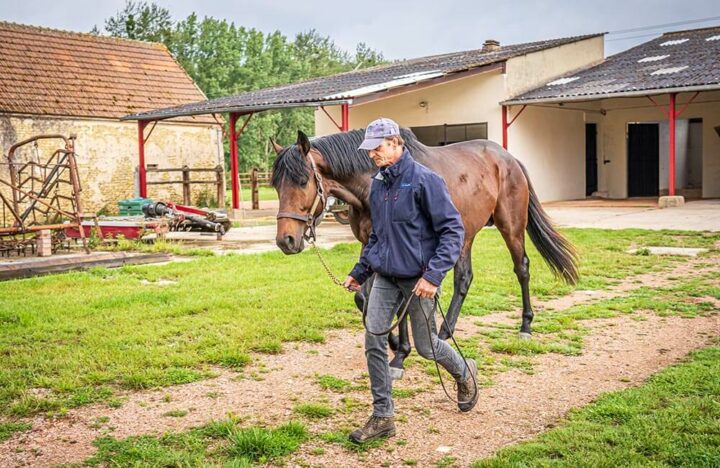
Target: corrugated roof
676 61
50 72
349 85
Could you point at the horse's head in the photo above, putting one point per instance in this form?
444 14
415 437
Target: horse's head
296 178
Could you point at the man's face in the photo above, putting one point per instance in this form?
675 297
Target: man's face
385 154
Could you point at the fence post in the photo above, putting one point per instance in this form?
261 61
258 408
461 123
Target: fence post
186 185
254 188
220 185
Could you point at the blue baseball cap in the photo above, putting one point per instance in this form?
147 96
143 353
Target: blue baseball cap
377 131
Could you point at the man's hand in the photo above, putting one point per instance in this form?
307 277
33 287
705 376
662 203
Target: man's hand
425 288
351 284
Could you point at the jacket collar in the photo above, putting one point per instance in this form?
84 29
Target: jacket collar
389 174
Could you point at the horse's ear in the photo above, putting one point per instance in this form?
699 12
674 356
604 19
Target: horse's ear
275 146
303 142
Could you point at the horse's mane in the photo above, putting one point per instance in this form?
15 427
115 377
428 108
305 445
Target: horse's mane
340 152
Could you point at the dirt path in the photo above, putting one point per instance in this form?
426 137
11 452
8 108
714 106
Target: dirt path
617 353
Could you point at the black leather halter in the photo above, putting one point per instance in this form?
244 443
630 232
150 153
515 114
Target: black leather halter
311 219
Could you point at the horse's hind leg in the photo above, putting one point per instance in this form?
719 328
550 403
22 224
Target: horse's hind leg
511 221
461 282
402 351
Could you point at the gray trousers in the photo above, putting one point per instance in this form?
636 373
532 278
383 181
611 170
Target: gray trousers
385 297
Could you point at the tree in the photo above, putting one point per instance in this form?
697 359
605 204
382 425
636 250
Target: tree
225 59
142 21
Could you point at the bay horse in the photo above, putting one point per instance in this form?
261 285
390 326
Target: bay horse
488 187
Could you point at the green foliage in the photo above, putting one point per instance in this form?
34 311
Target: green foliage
226 59
670 421
330 382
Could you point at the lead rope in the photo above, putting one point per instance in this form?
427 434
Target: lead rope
405 307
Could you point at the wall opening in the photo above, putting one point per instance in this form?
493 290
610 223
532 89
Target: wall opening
643 150
591 169
441 135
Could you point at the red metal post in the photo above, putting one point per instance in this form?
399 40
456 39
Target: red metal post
505 127
345 124
141 159
671 121
235 181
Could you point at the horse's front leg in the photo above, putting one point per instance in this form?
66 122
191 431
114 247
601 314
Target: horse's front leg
402 349
463 280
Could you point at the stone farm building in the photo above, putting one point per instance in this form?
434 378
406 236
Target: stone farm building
71 83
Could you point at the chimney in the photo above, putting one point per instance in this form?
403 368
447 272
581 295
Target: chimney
490 45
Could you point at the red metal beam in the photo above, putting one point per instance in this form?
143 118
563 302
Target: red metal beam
345 110
671 121
141 158
234 163
234 175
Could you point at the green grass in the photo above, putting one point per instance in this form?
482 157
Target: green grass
72 339
158 246
7 429
313 410
217 443
265 194
672 420
330 382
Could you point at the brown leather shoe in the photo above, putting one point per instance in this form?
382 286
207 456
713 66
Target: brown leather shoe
467 393
375 428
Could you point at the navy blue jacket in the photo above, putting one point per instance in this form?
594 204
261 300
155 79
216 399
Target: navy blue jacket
416 229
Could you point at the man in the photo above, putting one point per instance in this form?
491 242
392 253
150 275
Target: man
416 238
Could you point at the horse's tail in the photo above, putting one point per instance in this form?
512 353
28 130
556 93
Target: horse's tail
557 251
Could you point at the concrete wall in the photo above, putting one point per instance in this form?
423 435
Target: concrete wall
468 100
107 154
613 138
532 70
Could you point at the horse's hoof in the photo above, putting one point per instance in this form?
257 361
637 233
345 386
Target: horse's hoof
396 374
525 336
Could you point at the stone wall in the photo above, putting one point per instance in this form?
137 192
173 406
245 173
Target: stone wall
107 155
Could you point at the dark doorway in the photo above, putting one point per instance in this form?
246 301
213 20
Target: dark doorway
590 159
643 160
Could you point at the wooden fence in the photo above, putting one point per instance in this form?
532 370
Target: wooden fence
218 181
255 179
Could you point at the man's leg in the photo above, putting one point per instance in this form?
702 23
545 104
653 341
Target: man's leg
384 297
429 346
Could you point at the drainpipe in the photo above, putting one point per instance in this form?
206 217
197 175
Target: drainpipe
345 123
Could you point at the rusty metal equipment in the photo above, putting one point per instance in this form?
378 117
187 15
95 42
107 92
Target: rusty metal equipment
188 219
41 194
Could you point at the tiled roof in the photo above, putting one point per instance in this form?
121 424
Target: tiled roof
349 85
675 61
51 72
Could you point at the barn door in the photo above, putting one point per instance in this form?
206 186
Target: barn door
643 160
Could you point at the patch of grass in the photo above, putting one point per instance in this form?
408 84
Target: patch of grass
82 336
406 392
176 413
445 462
330 382
7 429
313 410
217 443
157 246
672 420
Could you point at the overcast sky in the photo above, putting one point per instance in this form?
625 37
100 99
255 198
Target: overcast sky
402 28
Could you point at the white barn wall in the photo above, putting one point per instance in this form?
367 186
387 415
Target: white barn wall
551 144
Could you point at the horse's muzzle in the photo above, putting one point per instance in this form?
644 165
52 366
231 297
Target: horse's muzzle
290 245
